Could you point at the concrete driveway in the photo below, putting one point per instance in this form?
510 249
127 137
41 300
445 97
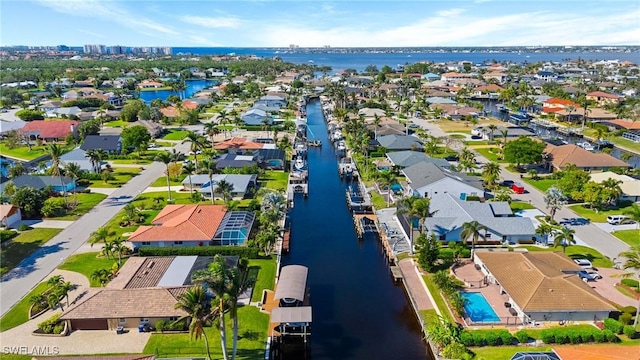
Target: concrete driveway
606 287
44 223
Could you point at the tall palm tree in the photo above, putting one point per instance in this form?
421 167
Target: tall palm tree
197 142
225 189
118 247
95 157
634 213
405 206
504 134
491 173
189 169
421 210
492 128
544 229
376 124
386 179
266 125
194 302
473 230
222 120
73 171
211 129
632 262
613 189
236 286
210 167
599 134
564 237
55 152
166 158
100 235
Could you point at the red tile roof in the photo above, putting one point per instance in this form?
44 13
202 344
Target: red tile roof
182 223
599 352
49 129
189 104
238 143
169 111
564 155
627 124
562 102
603 94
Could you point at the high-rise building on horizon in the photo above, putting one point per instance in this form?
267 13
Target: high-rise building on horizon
117 50
95 49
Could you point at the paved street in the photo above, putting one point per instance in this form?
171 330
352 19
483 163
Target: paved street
32 270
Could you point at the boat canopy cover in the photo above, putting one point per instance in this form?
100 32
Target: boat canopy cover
282 315
292 282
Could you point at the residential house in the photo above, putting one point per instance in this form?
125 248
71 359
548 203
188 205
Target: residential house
404 159
434 100
238 145
237 161
50 130
112 144
271 159
497 75
242 184
454 77
491 91
553 105
400 142
64 112
455 112
557 157
543 286
430 77
10 216
80 157
603 98
58 183
195 225
255 117
630 186
272 101
450 213
148 84
426 179
546 76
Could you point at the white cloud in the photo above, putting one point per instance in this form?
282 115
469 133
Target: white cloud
212 22
450 12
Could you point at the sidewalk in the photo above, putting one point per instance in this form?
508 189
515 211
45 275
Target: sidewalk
415 286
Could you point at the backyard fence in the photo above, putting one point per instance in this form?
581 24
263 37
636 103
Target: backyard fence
504 321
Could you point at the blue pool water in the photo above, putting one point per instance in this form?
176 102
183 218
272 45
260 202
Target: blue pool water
396 187
477 308
383 168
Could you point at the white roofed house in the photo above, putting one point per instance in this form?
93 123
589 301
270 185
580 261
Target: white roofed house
630 186
242 184
255 117
426 179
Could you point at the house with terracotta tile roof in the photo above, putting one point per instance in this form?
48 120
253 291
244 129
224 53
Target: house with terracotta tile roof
148 84
50 130
543 286
195 225
238 145
557 157
491 90
553 105
603 98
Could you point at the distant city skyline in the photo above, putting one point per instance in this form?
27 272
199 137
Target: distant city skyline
357 23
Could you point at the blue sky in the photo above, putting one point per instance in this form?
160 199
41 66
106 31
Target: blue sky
310 23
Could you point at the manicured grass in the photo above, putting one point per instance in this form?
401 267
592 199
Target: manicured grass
162 88
403 255
502 352
162 181
165 143
519 205
458 136
631 237
601 215
252 332
175 134
437 296
624 291
19 314
275 180
490 155
428 316
87 263
263 272
542 184
578 252
120 177
23 245
22 152
86 202
378 201
16 357
625 143
116 124
131 161
537 333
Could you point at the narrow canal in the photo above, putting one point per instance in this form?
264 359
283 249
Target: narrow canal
358 312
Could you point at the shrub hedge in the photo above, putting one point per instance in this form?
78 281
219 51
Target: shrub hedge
576 336
614 325
486 338
6 235
522 336
51 325
241 251
630 331
630 283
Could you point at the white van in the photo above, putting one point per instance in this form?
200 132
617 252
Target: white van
584 263
618 219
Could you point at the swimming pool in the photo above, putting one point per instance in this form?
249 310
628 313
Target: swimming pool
477 308
396 188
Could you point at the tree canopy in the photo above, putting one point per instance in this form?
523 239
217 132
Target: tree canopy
524 150
135 137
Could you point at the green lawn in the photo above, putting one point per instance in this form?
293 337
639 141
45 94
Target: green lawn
131 161
542 184
491 156
625 143
86 202
120 177
19 314
116 124
502 352
175 135
275 180
162 181
23 245
601 215
428 316
578 252
437 296
23 152
87 263
631 237
252 332
519 205
263 271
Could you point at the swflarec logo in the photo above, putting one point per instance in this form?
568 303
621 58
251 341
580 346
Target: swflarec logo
31 350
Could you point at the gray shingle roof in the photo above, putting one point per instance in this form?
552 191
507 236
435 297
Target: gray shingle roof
408 158
104 142
37 182
425 173
399 142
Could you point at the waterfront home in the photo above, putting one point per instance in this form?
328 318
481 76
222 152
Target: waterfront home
543 286
242 184
437 100
455 77
630 186
404 159
455 112
450 213
195 225
491 91
50 130
10 216
400 142
255 117
80 158
148 84
237 161
557 157
430 77
603 98
546 76
238 145
426 179
58 183
272 101
112 144
553 105
271 159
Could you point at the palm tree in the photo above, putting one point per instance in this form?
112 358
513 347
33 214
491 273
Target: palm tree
613 189
222 120
236 286
198 143
634 213
266 125
95 157
376 124
211 168
194 302
405 206
100 235
599 134
555 200
504 134
73 171
211 129
492 128
420 210
564 237
544 229
102 276
491 173
118 246
55 152
166 158
225 189
189 169
473 230
62 290
632 262
386 179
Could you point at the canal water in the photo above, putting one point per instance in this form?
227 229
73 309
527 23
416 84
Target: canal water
193 86
358 311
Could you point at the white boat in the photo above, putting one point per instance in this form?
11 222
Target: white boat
585 145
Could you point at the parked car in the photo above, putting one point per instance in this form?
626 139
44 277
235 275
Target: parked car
595 275
153 146
585 276
197 152
517 188
584 263
452 158
619 219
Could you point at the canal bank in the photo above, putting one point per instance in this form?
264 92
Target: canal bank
358 311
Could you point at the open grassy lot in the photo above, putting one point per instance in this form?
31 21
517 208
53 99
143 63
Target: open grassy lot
519 205
378 201
86 202
274 180
116 124
87 263
120 176
263 273
601 215
19 314
23 245
542 184
162 181
23 152
490 153
175 134
631 237
465 126
502 352
253 326
578 252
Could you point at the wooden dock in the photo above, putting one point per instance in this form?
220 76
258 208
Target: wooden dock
396 273
286 240
360 229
